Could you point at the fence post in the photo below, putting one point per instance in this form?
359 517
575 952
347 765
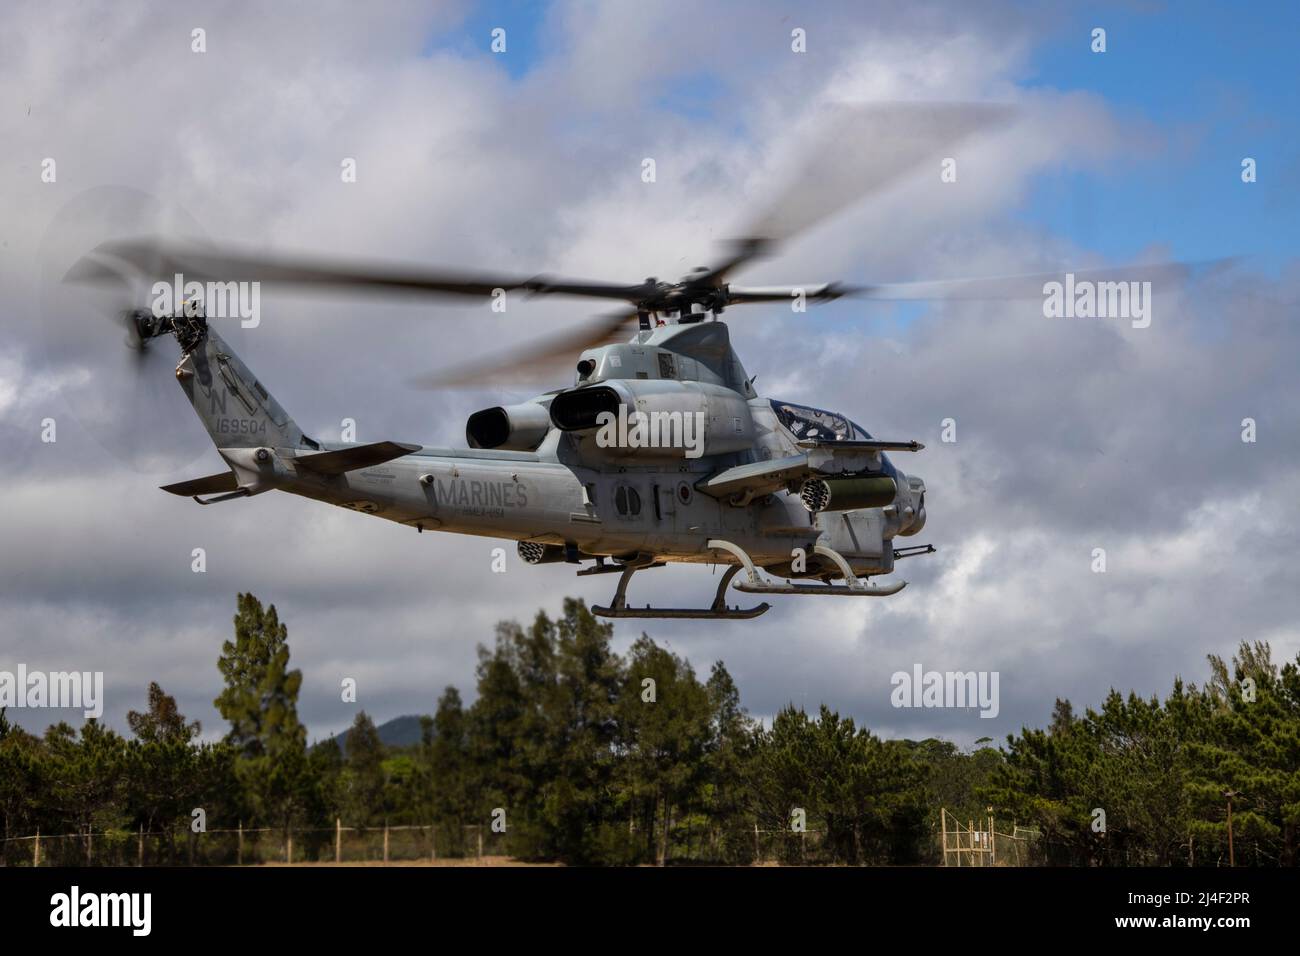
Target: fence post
758 858
239 858
36 851
288 847
140 857
480 842
90 842
433 843
943 831
338 839
385 842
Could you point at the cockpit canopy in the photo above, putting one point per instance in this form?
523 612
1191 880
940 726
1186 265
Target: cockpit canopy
803 421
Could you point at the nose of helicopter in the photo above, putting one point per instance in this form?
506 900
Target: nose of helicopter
912 506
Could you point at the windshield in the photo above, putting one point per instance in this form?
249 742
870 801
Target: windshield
804 422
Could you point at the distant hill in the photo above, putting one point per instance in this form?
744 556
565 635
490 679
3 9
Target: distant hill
401 731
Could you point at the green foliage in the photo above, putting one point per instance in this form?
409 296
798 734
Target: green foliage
1160 772
867 794
363 779
260 700
541 734
1251 748
162 722
596 757
261 694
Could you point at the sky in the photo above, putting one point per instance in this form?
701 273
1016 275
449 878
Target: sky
1071 434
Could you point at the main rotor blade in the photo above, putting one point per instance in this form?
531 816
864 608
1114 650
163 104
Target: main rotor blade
823 292
162 259
862 149
1032 286
537 360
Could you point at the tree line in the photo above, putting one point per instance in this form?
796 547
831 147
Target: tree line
585 756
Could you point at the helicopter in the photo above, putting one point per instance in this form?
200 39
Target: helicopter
660 450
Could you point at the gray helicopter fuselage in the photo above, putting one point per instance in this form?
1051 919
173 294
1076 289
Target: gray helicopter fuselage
568 492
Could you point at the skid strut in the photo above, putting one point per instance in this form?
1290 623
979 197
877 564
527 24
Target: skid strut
753 584
718 611
855 586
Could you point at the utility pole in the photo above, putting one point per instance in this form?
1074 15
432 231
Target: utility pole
1230 794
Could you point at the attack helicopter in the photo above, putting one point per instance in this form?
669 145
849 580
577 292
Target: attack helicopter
659 450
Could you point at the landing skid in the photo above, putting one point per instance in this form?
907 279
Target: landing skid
855 586
718 611
754 584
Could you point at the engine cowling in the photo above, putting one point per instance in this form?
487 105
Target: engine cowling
509 427
656 418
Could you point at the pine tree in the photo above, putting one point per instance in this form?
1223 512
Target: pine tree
260 702
1253 750
664 741
162 722
24 781
261 694
451 775
363 776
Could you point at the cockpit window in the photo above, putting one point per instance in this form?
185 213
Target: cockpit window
804 422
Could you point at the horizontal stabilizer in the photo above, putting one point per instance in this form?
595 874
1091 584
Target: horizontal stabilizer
359 456
211 485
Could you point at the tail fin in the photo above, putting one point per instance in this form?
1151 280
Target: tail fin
235 408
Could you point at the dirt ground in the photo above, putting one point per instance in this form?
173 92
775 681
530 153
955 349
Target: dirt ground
470 861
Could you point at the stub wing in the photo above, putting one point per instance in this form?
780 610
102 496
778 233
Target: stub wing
858 446
756 479
743 483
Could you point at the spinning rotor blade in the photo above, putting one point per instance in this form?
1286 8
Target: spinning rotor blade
539 360
864 149
118 387
825 292
166 258
1031 286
